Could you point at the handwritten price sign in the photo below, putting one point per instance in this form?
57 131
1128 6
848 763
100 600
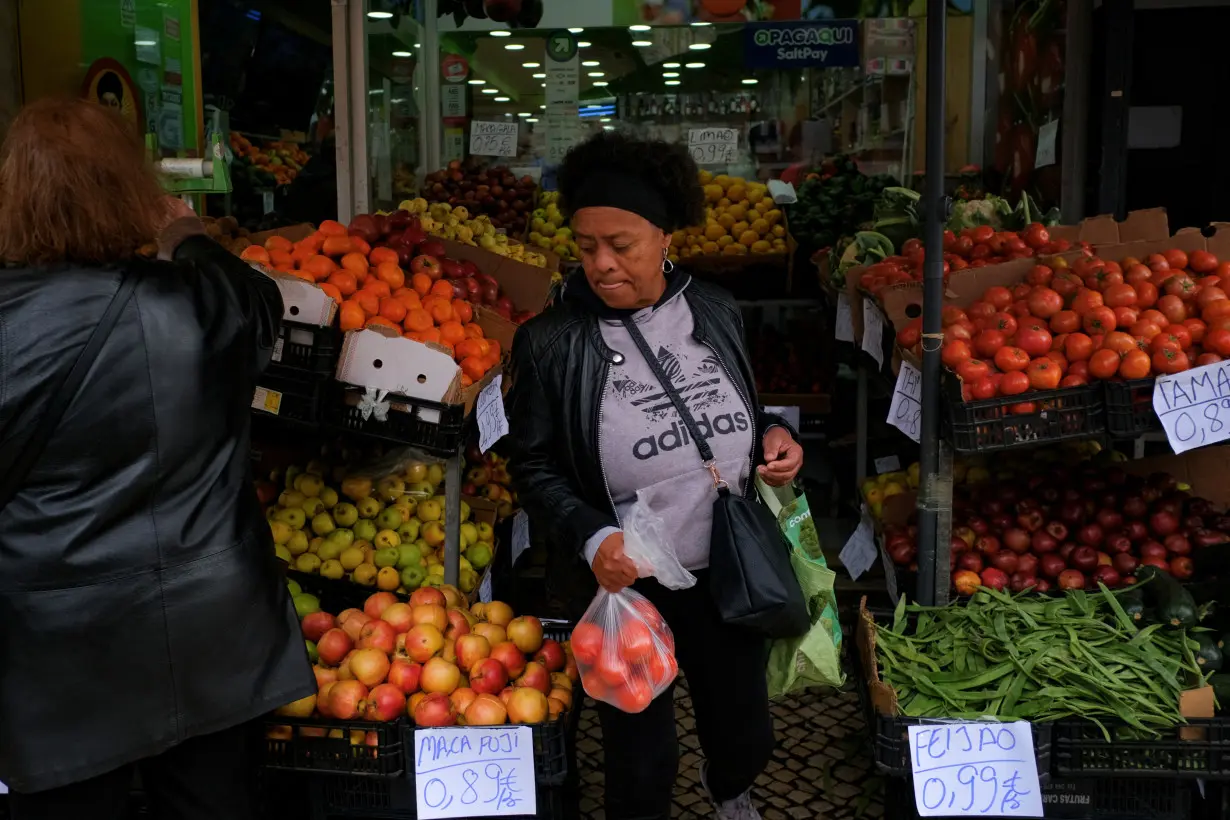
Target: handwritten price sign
475 771
975 770
1194 406
492 423
713 146
493 139
905 411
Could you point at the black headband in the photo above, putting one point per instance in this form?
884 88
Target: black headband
607 189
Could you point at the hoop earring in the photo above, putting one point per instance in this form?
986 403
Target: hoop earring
667 265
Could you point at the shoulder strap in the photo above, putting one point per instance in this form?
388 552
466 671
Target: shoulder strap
685 415
22 454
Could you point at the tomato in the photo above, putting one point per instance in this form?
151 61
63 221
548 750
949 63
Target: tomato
1040 275
1065 321
1170 360
1066 284
1202 261
1044 374
949 239
1078 347
963 246
1146 294
1136 273
1181 286
1157 262
1215 310
1059 358
961 330
1045 303
955 351
1223 269
1010 359
973 370
979 312
982 233
1100 320
1103 364
998 296
1072 380
1120 295
951 314
1180 333
1020 309
1086 300
1033 338
988 342
1135 364
1126 316
1156 317
1014 383
1079 369
1210 294
911 334
984 388
1144 329
1022 291
1218 341
1003 321
1163 340
979 252
1196 328
1025 408
1035 236
1119 342
1207 358
1176 258
1108 278
1172 308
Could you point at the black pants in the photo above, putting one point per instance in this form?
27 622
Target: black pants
205 778
725 671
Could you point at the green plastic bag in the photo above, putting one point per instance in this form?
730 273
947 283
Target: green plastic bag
814 659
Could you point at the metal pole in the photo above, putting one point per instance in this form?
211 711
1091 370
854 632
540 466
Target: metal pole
341 108
930 551
429 57
452 519
360 169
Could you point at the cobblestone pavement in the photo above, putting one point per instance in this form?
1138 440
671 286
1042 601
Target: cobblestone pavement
821 770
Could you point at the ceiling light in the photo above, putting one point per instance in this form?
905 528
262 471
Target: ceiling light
695 65
642 43
601 83
670 65
698 46
523 114
530 65
576 30
380 15
605 119
540 76
591 63
583 44
608 128
491 91
670 73
501 99
594 105
501 33
750 81
531 119
402 54
145 42
519 46
543 106
672 82
477 82
700 23
507 114
596 74
638 28
418 45
544 85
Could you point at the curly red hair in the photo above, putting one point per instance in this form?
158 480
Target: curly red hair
75 186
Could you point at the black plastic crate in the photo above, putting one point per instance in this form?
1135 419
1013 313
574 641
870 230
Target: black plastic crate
308 348
1198 749
1129 408
307 747
335 594
428 425
289 395
550 750
373 799
891 743
1080 800
987 425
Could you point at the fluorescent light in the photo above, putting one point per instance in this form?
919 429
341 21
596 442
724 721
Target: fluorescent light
501 33
540 76
695 65
477 82
596 74
601 83
402 54
638 28
700 23
583 44
544 85
144 43
590 63
577 30
698 46
531 119
605 119
418 45
670 65
519 46
380 15
672 82
506 114
594 105
376 91
501 99
530 65
608 128
523 114
670 73
750 81
491 91
642 43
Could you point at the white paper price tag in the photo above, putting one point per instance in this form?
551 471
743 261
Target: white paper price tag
492 423
3 788
873 332
493 139
520 535
1048 135
474 771
975 770
844 329
887 464
713 146
905 410
1194 406
484 589
859 553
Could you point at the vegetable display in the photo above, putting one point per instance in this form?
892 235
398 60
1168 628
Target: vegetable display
1037 659
838 201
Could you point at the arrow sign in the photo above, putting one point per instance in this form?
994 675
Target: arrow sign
561 46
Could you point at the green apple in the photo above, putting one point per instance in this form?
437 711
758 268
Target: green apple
341 536
485 532
313 507
329 497
409 556
330 550
387 557
465 511
421 490
409 530
469 534
293 587
308 562
298 543
412 577
294 516
391 488
305 605
332 569
310 485
385 539
369 507
313 656
345 514
282 552
291 498
364 530
479 555
323 524
389 519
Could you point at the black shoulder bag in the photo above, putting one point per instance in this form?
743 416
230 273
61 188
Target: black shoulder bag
19 457
750 576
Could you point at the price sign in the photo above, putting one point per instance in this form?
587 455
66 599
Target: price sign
713 146
4 789
493 139
475 771
905 410
859 553
484 589
1048 135
520 535
887 464
1194 406
975 770
873 332
492 423
844 329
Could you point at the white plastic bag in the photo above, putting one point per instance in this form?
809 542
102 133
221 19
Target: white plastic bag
645 544
624 650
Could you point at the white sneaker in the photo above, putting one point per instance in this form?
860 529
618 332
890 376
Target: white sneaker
738 808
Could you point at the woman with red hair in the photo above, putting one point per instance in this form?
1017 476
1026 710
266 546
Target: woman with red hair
143 624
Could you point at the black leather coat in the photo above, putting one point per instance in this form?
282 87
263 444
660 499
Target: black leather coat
140 603
559 366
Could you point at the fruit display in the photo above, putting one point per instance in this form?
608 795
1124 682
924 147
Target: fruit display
479 188
1018 658
227 232
434 661
1069 325
740 218
385 533
487 477
457 223
549 229
274 163
1071 528
834 201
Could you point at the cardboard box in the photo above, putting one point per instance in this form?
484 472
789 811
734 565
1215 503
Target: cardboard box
1204 469
1139 226
528 286
302 301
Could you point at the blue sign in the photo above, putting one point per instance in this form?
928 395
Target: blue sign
823 44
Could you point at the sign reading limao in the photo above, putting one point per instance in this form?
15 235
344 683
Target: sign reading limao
827 44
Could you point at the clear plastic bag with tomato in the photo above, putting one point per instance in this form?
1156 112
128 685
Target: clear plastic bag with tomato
624 650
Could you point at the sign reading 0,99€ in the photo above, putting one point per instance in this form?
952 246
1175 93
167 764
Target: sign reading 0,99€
828 44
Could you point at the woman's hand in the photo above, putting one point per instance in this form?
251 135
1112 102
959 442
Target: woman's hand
783 457
611 567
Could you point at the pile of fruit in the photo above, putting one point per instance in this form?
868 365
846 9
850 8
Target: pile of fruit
458 223
834 201
227 232
487 477
387 534
549 229
433 660
1070 325
740 218
1071 529
483 189
275 163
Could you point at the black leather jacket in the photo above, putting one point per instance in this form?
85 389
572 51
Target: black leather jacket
560 364
140 601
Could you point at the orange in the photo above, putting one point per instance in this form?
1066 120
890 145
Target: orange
355 262
442 312
472 347
421 283
311 243
466 381
319 266
304 275
452 332
493 349
278 243
360 245
255 253
408 298
380 321
444 289
369 301
431 334
344 281
281 259
336 246
332 291
352 315
418 320
474 367
463 310
392 310
473 331
391 274
331 227
380 255
377 287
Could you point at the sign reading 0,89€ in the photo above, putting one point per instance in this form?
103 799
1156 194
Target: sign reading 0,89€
827 44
